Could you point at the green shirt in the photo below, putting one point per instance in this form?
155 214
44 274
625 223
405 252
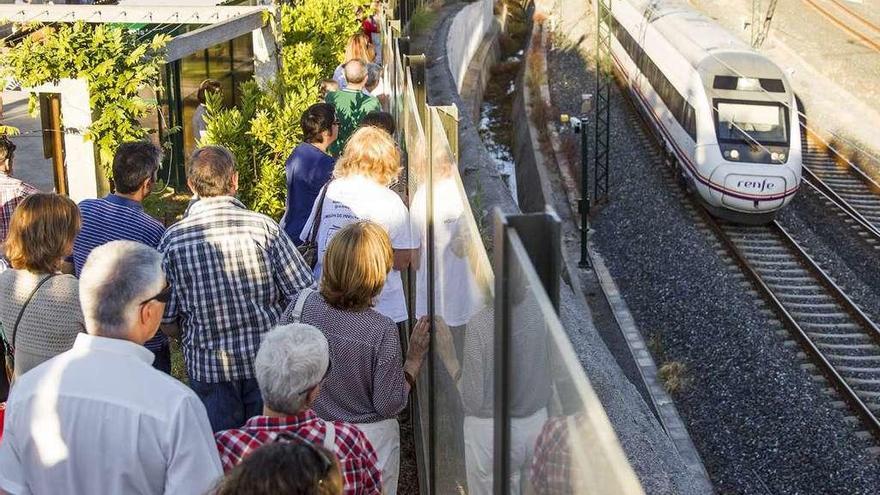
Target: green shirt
351 105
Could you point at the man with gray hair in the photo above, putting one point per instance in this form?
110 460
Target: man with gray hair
232 272
351 103
290 366
98 418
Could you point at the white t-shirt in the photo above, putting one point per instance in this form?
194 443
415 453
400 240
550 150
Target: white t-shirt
354 198
199 126
457 294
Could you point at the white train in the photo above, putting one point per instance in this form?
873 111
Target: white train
724 111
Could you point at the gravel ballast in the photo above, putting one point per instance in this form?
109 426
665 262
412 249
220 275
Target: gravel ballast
761 423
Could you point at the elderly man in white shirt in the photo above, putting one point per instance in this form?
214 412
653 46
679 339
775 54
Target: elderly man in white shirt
98 419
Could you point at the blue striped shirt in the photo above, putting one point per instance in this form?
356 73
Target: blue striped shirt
115 218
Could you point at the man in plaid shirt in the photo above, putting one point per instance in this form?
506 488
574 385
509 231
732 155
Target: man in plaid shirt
232 273
290 366
12 191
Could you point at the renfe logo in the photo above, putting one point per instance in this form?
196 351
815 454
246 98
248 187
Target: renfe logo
756 185
751 184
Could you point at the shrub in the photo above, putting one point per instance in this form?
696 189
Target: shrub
116 64
265 129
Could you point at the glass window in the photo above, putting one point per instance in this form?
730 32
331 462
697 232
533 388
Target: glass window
765 123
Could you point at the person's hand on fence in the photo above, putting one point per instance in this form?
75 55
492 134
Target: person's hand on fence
418 346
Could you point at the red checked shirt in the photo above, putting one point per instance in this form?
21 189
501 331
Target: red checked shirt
12 192
356 455
551 469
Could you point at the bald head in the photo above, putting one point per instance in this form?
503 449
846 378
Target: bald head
355 73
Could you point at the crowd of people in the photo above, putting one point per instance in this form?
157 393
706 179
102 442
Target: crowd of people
290 332
295 371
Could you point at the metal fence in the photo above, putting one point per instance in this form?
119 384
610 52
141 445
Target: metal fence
501 376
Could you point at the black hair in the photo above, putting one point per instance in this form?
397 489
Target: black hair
7 148
284 467
382 120
134 163
315 120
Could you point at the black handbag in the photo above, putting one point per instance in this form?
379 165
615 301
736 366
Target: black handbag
9 347
309 248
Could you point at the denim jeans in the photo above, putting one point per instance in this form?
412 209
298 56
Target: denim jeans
229 404
163 359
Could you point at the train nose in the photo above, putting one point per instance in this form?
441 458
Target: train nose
747 192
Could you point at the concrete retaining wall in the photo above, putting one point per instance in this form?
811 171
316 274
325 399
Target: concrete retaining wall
650 451
465 35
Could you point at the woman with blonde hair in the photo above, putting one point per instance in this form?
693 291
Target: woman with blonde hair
39 307
360 48
360 190
368 382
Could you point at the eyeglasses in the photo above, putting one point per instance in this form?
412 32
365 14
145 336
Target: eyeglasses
163 296
326 462
326 374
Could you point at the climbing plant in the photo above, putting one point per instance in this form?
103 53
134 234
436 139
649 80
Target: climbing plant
116 64
263 130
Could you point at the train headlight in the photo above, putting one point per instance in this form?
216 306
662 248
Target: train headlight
734 154
777 157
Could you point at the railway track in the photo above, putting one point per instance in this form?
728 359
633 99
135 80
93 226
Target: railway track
848 21
841 341
845 185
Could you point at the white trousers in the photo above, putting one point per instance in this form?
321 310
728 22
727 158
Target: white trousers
385 437
479 441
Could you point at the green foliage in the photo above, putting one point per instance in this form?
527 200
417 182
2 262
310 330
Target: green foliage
114 62
264 129
325 25
422 19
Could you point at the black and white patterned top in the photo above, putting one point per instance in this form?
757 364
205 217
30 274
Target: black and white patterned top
232 272
366 383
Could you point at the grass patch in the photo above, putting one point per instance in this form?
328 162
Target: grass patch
675 376
167 205
178 367
422 19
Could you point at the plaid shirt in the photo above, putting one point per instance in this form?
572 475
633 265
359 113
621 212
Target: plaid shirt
12 192
551 468
233 271
356 456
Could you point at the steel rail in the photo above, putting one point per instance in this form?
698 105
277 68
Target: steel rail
863 38
810 178
807 343
856 15
787 319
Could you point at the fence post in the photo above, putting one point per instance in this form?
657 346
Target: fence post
449 118
501 383
417 70
540 234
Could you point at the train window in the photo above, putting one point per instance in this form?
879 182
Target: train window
748 122
673 100
724 82
773 85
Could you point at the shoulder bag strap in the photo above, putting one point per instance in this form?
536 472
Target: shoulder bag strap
24 307
330 437
296 316
316 223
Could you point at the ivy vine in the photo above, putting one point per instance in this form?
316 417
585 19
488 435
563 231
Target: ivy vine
117 65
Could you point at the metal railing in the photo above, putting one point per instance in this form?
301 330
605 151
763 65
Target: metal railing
501 374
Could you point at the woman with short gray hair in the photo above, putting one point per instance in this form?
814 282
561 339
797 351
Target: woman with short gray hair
290 367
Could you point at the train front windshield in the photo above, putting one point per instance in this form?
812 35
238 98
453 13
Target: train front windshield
744 122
